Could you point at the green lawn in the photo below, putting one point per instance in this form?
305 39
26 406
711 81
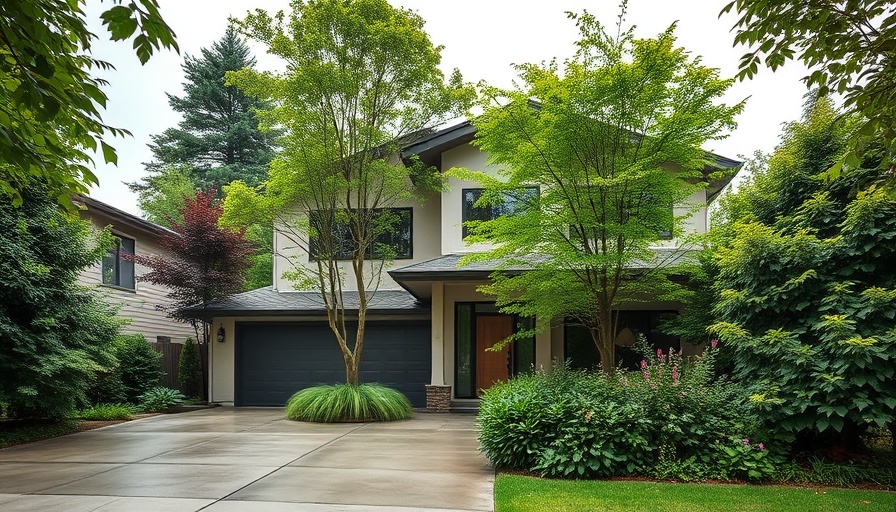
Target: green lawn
527 494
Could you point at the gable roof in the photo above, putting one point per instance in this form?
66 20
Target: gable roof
121 218
431 146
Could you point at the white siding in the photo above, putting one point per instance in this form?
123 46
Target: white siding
140 306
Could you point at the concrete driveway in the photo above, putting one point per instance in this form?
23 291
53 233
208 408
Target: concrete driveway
227 459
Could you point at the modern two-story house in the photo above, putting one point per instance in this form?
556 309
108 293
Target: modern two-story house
428 326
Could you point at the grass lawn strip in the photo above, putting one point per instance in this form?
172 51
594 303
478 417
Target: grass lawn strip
515 493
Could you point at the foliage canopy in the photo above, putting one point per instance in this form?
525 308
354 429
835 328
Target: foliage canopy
613 139
849 47
806 289
49 109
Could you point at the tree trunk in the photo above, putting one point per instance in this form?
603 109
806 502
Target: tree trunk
351 371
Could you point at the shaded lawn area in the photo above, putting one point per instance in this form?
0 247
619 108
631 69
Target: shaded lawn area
515 493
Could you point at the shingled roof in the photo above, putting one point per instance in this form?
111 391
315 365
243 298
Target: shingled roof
269 302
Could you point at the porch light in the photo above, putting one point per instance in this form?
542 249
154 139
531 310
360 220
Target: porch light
221 334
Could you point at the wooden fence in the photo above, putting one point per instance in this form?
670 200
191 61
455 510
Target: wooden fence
170 359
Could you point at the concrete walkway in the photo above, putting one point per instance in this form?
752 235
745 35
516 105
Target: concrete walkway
236 460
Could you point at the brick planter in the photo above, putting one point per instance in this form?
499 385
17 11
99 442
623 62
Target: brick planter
438 398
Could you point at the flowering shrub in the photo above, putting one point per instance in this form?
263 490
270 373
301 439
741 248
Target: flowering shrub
668 417
737 458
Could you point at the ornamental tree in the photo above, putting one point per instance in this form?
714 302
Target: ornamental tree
49 109
362 78
806 287
613 140
55 335
203 262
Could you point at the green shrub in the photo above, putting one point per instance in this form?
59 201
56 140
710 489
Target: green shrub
138 369
160 398
671 415
345 402
189 370
105 412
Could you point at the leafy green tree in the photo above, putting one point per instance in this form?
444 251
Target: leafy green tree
189 370
164 196
54 334
361 77
849 49
807 287
49 109
614 141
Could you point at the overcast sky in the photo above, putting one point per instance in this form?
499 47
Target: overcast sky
482 38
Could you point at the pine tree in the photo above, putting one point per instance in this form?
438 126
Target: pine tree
218 140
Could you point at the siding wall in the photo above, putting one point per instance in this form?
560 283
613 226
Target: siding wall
140 306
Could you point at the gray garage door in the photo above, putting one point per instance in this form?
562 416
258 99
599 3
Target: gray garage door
274 360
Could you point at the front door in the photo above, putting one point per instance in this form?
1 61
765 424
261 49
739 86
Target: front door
492 367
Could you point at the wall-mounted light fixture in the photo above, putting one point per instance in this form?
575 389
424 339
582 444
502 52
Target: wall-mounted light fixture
221 334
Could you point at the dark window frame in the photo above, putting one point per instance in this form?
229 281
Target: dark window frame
490 211
114 261
409 255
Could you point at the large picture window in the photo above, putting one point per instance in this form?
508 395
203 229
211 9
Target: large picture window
395 238
118 269
514 202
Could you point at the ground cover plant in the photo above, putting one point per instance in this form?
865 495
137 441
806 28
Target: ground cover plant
13 432
346 402
161 398
514 493
105 412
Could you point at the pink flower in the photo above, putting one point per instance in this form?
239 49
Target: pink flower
643 364
659 352
675 375
647 375
680 352
714 343
761 447
745 441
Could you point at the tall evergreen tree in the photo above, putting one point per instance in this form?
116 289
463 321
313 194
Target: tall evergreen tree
217 142
218 139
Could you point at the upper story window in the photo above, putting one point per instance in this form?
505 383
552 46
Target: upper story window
514 202
118 269
395 239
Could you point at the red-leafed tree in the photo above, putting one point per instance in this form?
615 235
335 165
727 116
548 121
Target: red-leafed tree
203 262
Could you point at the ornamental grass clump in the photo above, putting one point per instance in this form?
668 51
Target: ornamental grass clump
668 418
348 403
